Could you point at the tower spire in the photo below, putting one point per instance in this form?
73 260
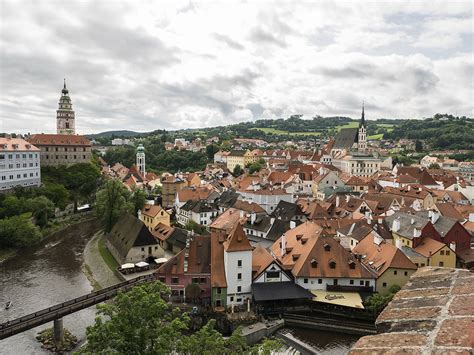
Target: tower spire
64 82
362 118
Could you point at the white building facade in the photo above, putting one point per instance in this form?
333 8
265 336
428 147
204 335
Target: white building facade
238 273
19 164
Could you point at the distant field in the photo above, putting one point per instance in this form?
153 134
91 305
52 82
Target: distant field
347 125
375 136
281 132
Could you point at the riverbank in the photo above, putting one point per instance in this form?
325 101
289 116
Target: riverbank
48 233
95 267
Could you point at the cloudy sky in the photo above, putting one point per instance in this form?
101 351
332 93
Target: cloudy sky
144 65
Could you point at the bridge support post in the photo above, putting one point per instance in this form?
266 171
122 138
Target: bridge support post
58 331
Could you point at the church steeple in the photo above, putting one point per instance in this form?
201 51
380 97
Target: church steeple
362 118
362 137
65 116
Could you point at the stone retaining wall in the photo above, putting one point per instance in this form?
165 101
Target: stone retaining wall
433 313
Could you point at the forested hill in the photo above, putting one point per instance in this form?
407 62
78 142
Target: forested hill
438 133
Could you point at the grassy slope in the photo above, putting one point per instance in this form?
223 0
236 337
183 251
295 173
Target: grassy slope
107 256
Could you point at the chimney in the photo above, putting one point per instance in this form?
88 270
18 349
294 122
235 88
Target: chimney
408 188
337 200
241 214
452 245
347 198
368 217
398 243
253 216
396 224
416 232
272 220
283 245
471 217
434 217
292 224
380 220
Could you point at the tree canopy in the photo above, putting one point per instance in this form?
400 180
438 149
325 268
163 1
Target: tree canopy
140 321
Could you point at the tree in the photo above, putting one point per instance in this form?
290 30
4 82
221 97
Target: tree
193 226
111 202
138 199
82 180
211 149
418 146
42 210
18 232
57 193
140 321
237 170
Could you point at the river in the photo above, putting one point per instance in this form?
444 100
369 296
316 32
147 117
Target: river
42 276
51 273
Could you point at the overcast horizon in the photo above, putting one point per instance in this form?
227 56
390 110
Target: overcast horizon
142 65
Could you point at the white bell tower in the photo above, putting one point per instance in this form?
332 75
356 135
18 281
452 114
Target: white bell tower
141 159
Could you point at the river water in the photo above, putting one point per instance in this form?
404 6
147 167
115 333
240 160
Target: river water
52 273
44 276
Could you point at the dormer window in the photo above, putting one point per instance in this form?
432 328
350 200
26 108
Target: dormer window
327 247
352 264
332 264
296 257
314 263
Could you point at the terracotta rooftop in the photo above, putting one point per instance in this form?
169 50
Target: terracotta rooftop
381 256
59 139
237 240
218 278
429 246
152 210
16 144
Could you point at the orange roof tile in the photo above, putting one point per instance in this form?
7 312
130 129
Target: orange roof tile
237 240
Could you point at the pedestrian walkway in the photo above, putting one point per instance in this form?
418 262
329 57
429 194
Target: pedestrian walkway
100 271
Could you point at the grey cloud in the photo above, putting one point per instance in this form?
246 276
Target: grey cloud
260 35
423 80
256 109
229 41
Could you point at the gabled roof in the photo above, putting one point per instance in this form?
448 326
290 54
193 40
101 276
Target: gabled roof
237 240
429 246
59 140
198 260
218 278
152 210
448 210
380 257
408 223
286 211
227 220
261 259
129 232
249 207
17 144
309 254
346 138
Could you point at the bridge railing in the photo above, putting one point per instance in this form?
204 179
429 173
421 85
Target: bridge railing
59 310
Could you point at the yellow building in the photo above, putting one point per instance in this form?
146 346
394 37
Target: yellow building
239 157
152 215
388 262
437 253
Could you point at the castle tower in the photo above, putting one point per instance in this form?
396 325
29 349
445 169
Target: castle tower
362 141
141 159
65 117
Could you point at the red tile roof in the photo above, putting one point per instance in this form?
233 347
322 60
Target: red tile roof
60 140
